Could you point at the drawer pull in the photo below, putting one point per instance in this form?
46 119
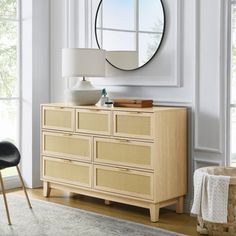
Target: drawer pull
124 140
53 108
67 135
124 169
136 112
67 161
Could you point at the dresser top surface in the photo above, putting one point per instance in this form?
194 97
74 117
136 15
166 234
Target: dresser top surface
95 107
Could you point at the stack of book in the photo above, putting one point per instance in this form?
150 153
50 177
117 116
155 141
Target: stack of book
122 102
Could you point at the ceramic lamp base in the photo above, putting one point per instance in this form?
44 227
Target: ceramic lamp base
83 97
83 93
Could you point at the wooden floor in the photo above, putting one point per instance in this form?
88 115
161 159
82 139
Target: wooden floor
181 223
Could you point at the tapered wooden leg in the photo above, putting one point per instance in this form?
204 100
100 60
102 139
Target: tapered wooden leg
5 199
154 212
46 189
107 202
23 186
180 205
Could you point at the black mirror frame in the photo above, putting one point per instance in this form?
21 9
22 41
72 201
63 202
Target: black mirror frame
154 54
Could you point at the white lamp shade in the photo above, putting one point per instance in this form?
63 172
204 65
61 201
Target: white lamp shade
83 62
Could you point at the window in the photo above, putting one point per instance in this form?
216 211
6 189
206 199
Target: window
10 98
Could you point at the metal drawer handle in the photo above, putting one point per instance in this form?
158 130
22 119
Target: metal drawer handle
124 140
124 169
55 108
67 161
136 112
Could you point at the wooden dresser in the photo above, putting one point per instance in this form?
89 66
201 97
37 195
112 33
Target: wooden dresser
135 156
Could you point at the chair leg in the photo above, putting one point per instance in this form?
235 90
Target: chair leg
23 186
5 199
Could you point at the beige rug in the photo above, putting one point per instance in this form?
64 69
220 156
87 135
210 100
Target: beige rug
50 219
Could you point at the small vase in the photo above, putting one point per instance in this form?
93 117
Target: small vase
103 100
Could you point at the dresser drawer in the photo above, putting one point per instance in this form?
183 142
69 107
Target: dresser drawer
58 118
134 124
67 145
93 121
124 152
70 172
124 181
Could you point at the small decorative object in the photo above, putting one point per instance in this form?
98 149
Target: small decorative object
108 104
104 97
83 62
124 102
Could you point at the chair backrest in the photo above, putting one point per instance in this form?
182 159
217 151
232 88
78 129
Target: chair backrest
9 150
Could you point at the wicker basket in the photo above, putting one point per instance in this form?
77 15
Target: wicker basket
229 229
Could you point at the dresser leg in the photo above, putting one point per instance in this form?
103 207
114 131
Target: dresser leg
180 205
154 212
46 189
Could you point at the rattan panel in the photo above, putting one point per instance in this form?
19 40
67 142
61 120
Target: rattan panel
67 172
124 153
57 118
67 145
124 181
138 125
92 122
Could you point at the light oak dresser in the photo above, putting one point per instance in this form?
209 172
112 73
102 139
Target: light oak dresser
135 156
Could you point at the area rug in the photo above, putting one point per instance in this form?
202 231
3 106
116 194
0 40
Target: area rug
51 219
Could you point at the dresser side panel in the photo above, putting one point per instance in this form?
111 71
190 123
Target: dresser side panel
171 154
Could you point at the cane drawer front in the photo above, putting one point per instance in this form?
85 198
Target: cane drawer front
134 124
58 118
67 145
124 152
70 172
124 181
93 121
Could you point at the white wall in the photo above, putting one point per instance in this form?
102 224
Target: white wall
176 48
200 66
35 83
58 40
211 83
26 74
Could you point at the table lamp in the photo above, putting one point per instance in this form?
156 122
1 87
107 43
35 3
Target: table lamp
83 62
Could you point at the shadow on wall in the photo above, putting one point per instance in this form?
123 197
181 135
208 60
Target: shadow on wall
208 131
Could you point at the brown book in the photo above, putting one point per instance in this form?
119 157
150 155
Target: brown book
125 102
132 105
132 101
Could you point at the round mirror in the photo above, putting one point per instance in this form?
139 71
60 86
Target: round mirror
131 31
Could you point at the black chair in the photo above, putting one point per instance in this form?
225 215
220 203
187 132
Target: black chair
9 157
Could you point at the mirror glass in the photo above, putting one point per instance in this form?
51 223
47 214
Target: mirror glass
131 31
